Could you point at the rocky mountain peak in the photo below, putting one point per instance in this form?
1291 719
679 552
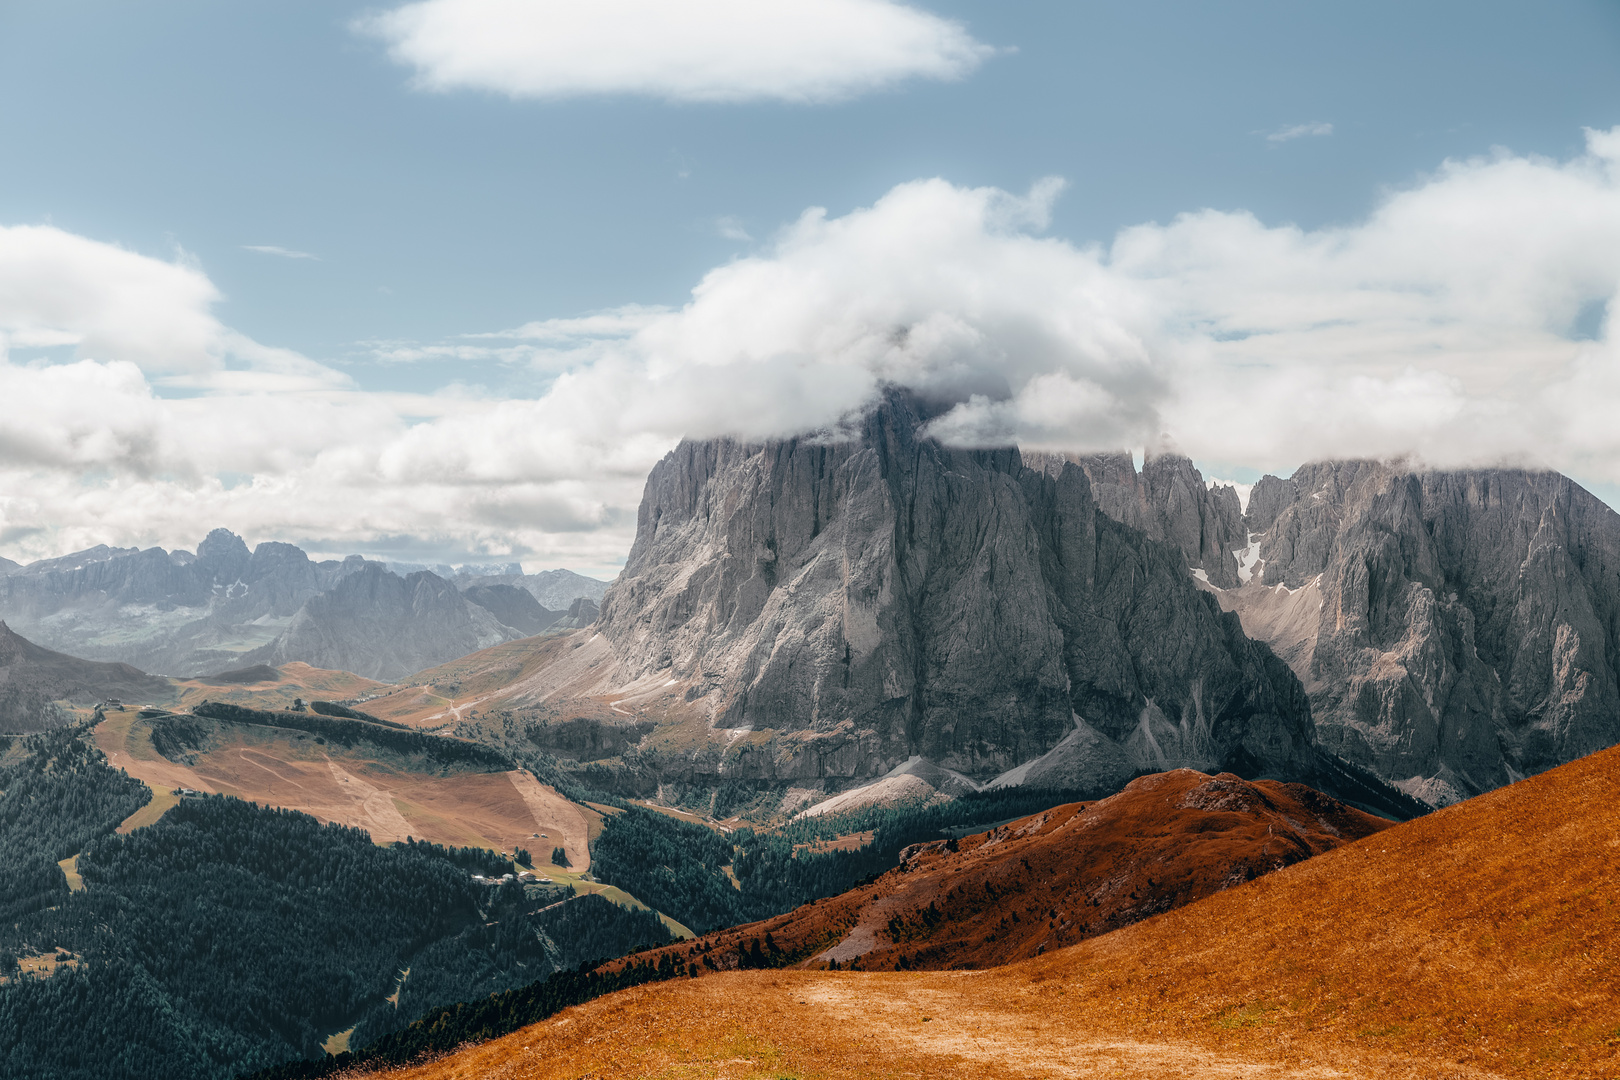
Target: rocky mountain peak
1169 501
225 555
1455 629
875 598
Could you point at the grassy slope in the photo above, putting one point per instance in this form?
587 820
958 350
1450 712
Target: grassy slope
296 680
445 820
1483 940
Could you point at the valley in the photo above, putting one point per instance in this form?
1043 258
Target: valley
867 731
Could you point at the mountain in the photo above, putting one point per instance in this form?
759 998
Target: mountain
192 614
861 602
512 606
31 678
380 625
1478 941
558 589
1455 630
168 611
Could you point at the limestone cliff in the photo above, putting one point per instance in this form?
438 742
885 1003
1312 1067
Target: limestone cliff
1455 630
1169 501
882 597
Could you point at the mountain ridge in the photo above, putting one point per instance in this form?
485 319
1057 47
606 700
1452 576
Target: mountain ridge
190 614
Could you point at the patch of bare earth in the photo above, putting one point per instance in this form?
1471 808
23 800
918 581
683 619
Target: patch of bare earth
501 810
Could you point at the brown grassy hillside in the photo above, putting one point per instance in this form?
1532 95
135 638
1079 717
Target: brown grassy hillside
359 786
1057 877
1483 940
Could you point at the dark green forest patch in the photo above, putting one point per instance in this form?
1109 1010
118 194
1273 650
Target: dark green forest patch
229 937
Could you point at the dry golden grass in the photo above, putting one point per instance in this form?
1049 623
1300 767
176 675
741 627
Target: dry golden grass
295 680
500 810
1483 940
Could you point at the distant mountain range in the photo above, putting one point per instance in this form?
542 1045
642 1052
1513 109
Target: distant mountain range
225 607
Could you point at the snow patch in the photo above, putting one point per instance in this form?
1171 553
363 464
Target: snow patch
1249 558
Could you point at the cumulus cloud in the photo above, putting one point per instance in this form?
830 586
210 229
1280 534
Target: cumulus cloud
698 51
1450 326
57 288
1299 131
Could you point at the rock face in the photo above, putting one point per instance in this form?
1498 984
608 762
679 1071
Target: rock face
885 597
1466 628
1168 501
31 678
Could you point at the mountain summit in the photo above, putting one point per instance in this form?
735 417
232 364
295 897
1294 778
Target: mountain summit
884 596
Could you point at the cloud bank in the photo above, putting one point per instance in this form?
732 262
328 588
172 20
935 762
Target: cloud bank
1466 321
696 51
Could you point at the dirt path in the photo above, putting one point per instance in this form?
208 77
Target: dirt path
960 1024
379 816
754 1025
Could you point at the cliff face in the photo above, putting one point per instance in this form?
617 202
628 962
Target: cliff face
1467 625
886 597
1169 501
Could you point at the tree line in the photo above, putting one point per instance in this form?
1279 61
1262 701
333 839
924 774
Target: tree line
229 937
57 793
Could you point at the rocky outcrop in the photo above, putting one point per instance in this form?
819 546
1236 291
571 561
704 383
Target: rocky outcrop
580 614
884 597
1455 630
31 678
380 625
1168 501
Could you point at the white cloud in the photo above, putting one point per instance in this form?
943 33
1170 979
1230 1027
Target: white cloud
698 50
1299 131
285 253
1442 327
60 289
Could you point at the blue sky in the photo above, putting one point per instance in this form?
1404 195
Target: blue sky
190 133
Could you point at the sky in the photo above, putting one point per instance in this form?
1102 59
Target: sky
441 280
